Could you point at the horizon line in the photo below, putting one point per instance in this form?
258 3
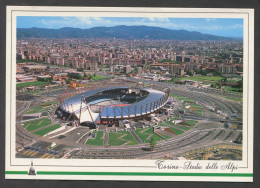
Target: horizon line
238 37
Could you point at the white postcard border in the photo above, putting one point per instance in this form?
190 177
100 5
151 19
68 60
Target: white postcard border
148 166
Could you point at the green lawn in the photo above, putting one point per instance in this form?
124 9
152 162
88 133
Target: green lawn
177 131
236 79
97 77
146 134
233 90
169 123
165 136
199 109
36 124
49 103
231 80
48 129
192 122
97 141
33 122
163 125
184 128
38 109
121 137
194 105
204 79
27 84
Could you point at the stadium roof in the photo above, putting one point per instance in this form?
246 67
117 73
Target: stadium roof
155 100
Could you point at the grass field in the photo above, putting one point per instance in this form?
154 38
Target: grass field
36 124
204 79
47 130
184 128
97 141
120 138
97 77
49 103
192 122
177 131
165 136
175 95
38 109
33 122
146 134
169 123
27 84
196 108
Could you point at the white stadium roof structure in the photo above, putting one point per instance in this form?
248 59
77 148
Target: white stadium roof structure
79 104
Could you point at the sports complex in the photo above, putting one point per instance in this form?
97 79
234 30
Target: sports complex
119 118
110 103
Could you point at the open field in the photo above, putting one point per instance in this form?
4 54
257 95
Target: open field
98 77
36 124
98 140
171 125
120 138
177 131
27 84
233 90
192 122
195 108
146 134
38 109
48 129
182 98
204 79
49 103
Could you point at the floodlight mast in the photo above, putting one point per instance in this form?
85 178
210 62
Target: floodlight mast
80 107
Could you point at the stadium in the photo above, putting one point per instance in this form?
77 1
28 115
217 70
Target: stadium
110 102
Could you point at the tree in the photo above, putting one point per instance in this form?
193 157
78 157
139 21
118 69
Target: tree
240 82
153 143
224 79
80 69
204 73
76 76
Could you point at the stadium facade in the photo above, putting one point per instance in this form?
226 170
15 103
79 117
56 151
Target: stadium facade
133 102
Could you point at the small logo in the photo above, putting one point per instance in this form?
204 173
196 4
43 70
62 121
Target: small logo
32 170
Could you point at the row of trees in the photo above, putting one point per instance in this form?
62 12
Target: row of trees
79 77
205 72
45 79
168 60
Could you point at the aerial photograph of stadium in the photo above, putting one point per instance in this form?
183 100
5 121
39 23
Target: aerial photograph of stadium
129 88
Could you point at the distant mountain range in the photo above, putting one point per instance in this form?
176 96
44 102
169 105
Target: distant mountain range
122 32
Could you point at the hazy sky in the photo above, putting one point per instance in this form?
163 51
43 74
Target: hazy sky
229 27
